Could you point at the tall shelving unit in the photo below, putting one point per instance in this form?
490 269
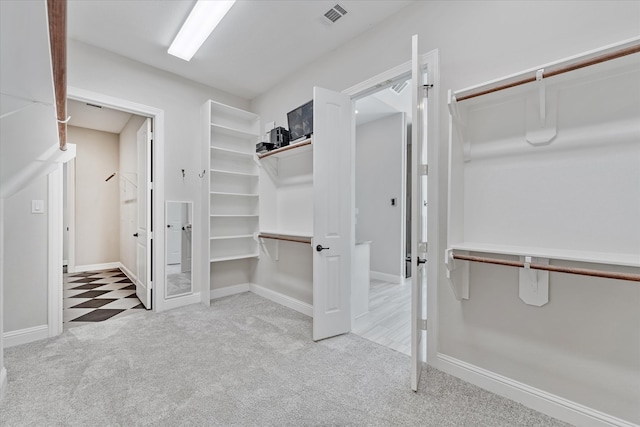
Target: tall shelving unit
230 190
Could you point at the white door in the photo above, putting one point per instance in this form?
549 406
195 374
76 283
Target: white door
143 233
332 229
174 232
418 223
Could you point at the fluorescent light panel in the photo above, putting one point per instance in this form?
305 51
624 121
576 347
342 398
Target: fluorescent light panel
204 17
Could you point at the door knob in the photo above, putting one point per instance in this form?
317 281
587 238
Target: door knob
135 234
421 260
319 248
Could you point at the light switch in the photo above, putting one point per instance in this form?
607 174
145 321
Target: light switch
37 206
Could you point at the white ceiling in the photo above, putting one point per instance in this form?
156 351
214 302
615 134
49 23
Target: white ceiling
257 44
91 117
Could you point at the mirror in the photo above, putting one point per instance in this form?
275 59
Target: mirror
179 247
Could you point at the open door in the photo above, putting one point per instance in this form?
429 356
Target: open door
332 230
418 224
143 232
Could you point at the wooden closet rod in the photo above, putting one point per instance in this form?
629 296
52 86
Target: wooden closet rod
554 72
554 268
285 238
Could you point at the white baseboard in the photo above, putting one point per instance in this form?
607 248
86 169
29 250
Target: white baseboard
94 267
277 297
23 336
3 381
287 301
393 278
540 400
229 290
180 301
127 272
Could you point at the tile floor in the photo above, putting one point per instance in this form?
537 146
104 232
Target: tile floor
388 321
95 296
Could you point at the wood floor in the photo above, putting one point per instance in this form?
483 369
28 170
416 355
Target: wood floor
388 321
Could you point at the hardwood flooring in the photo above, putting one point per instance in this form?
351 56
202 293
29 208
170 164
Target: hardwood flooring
388 321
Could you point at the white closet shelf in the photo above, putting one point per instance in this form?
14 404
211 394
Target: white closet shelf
220 193
220 109
229 151
233 216
240 236
226 172
623 259
289 150
234 257
238 133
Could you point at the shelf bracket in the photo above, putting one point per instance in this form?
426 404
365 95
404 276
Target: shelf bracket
458 125
541 113
458 275
275 256
533 284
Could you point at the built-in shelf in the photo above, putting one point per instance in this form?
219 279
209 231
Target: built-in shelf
227 150
289 150
226 172
220 193
297 238
625 259
237 133
240 236
234 257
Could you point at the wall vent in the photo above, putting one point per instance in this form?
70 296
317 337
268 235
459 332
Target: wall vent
335 13
398 87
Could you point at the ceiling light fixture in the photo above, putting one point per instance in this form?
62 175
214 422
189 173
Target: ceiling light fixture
204 17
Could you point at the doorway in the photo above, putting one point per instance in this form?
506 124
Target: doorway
156 246
382 304
101 215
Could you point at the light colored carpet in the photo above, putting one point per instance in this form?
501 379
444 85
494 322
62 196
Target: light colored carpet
243 361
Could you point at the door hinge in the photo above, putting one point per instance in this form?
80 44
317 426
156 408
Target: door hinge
150 235
424 169
150 136
151 287
422 324
425 89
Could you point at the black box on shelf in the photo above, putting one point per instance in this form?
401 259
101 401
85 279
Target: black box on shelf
263 147
280 137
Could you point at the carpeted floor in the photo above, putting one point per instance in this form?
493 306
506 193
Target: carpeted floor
244 361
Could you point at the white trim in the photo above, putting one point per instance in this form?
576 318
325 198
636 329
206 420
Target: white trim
540 400
287 301
3 381
24 336
277 297
392 278
181 301
94 267
71 214
229 290
157 115
127 272
54 261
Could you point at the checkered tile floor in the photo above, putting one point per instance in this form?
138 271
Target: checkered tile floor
94 296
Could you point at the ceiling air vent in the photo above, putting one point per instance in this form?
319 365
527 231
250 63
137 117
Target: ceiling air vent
398 87
335 13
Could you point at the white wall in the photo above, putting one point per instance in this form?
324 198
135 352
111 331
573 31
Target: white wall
100 71
563 349
379 178
97 201
127 167
25 259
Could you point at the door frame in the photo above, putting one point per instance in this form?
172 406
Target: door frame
157 258
374 84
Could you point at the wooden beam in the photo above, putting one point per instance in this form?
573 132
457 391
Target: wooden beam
57 15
